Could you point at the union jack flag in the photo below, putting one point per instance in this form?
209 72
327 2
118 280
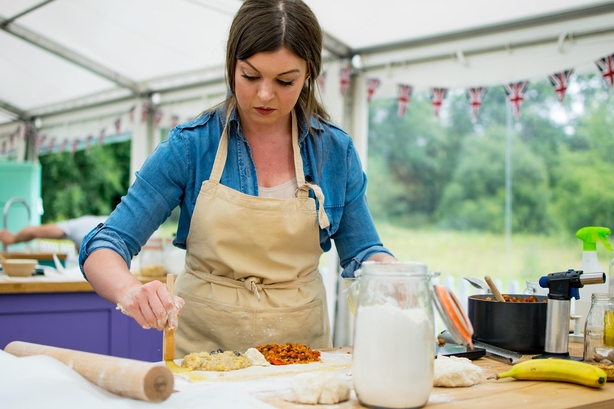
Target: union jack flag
403 98
40 140
4 150
346 73
174 121
131 113
63 146
606 66
158 116
372 84
118 125
437 97
88 143
515 93
101 137
144 111
51 145
476 95
322 81
559 81
75 143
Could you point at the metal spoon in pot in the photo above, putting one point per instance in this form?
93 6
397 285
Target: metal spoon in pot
479 284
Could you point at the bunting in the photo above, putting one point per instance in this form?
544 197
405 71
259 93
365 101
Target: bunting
372 84
174 121
322 81
560 81
515 94
476 95
346 74
73 149
101 137
10 142
606 67
403 98
437 97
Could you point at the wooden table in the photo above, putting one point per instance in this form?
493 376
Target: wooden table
493 394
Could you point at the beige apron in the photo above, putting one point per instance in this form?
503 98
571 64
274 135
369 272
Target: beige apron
252 267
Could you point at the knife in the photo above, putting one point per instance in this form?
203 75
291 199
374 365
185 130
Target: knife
493 352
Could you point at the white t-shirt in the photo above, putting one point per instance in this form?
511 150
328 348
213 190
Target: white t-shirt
77 229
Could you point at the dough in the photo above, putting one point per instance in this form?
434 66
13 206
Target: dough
454 371
256 358
318 388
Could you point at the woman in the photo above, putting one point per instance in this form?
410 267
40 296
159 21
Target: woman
264 183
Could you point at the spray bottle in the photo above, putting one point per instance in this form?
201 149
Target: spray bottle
590 264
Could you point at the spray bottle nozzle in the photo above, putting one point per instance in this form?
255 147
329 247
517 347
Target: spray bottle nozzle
591 235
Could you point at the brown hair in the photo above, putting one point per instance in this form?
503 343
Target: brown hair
270 25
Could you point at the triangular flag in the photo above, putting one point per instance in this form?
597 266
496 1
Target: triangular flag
346 74
606 67
403 98
476 95
437 97
322 81
560 81
515 94
372 84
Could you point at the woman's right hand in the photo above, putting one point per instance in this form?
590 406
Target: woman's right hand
151 305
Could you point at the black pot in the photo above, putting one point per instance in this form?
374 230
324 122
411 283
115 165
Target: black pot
517 326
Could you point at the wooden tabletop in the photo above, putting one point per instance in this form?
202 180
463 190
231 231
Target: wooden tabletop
30 286
492 394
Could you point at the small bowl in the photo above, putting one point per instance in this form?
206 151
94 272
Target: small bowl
19 267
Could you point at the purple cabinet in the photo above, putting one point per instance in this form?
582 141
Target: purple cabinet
76 320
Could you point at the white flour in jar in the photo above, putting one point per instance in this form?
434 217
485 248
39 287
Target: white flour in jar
394 350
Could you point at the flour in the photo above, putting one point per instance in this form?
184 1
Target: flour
393 356
317 388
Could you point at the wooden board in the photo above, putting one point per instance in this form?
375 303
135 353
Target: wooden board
490 394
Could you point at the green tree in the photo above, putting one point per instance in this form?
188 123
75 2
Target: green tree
475 197
84 183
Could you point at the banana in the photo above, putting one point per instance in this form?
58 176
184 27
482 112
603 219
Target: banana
561 370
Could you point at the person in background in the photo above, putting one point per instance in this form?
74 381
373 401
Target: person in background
264 182
72 229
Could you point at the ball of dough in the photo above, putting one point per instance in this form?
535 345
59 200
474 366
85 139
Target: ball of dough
318 388
454 371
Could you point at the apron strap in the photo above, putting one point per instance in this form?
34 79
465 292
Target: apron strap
303 186
255 285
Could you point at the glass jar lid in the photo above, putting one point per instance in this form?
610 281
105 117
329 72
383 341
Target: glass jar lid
453 315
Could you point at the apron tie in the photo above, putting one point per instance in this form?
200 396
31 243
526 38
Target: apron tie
322 216
251 283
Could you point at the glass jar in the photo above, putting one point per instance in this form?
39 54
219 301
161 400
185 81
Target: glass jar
394 339
152 264
599 330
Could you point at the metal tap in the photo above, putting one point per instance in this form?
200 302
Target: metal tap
8 205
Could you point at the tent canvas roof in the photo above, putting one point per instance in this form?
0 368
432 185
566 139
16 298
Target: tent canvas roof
62 50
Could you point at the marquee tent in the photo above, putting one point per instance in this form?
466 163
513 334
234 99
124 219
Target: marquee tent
83 70
78 72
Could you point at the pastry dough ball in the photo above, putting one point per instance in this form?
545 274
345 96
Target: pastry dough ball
318 388
454 371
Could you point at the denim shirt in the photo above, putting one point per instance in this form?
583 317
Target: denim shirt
172 176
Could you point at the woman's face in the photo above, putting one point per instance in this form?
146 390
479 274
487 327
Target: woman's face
267 86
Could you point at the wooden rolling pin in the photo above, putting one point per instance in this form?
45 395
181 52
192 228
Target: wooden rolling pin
125 377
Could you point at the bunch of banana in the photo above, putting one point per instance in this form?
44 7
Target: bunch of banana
561 370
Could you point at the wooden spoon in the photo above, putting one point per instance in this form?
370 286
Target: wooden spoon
168 344
495 290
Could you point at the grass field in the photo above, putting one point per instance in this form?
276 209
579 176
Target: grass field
468 254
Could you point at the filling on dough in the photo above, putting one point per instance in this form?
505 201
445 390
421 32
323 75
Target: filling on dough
216 361
288 354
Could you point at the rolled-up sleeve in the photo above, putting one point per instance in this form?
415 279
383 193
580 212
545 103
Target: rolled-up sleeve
158 188
356 238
